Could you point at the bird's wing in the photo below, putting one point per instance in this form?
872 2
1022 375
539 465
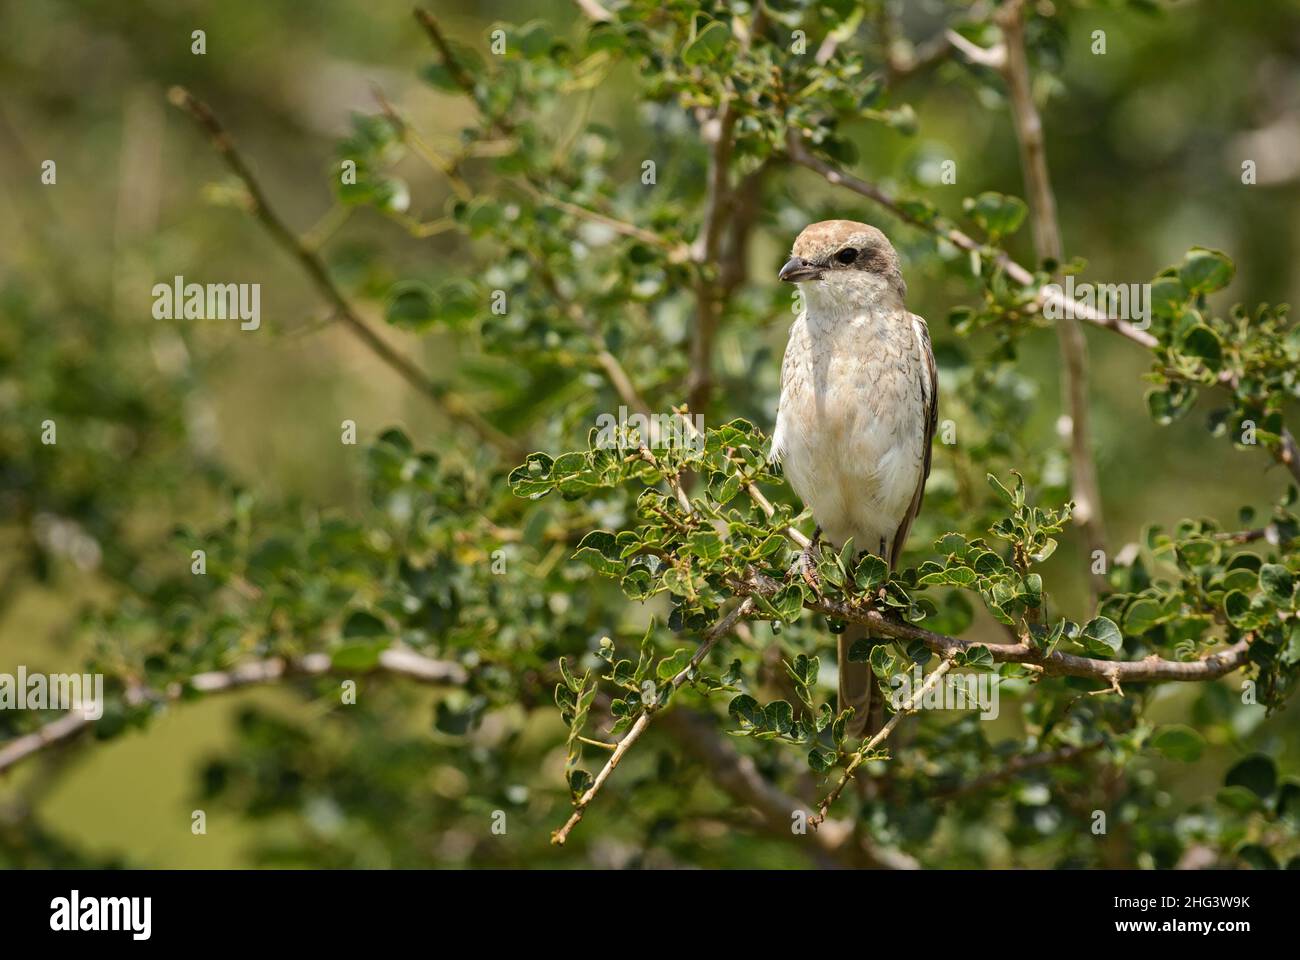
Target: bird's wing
930 394
788 367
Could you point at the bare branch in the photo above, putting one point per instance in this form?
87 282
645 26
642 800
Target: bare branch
1014 66
594 10
452 404
395 660
801 155
676 252
719 131
994 58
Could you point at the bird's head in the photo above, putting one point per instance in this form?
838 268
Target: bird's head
843 263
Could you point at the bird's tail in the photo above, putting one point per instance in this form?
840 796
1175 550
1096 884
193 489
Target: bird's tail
857 688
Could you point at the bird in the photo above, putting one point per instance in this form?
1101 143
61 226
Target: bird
857 411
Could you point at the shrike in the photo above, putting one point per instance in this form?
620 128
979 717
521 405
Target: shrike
858 409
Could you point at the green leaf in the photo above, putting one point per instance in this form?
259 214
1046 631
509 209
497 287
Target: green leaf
860 650
1204 270
1236 607
779 716
1101 635
1204 344
580 781
410 306
534 40
1141 615
359 655
709 42
1001 491
533 478
1277 581
1256 773
821 761
979 657
998 214
745 709
1178 742
1257 857
599 550
669 667
364 625
567 676
1238 799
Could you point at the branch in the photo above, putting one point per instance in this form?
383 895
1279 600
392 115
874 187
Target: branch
933 51
677 253
397 661
708 298
452 404
995 58
459 75
801 155
738 776
594 10
1111 672
1288 456
710 640
1014 65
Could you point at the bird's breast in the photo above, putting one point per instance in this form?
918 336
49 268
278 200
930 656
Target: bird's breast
851 423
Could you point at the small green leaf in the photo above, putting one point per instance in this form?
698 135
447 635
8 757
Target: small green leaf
998 214
360 655
1101 635
708 43
410 306
599 550
1178 742
364 625
1205 271
745 709
821 761
1277 581
1256 773
779 716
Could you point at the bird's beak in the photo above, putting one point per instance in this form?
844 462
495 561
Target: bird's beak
797 269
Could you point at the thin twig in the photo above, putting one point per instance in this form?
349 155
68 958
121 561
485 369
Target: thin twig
452 404
834 844
677 253
711 638
871 743
801 155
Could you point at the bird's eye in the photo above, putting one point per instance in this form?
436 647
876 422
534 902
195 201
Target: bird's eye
847 255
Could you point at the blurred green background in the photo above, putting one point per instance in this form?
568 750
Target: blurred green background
1145 146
